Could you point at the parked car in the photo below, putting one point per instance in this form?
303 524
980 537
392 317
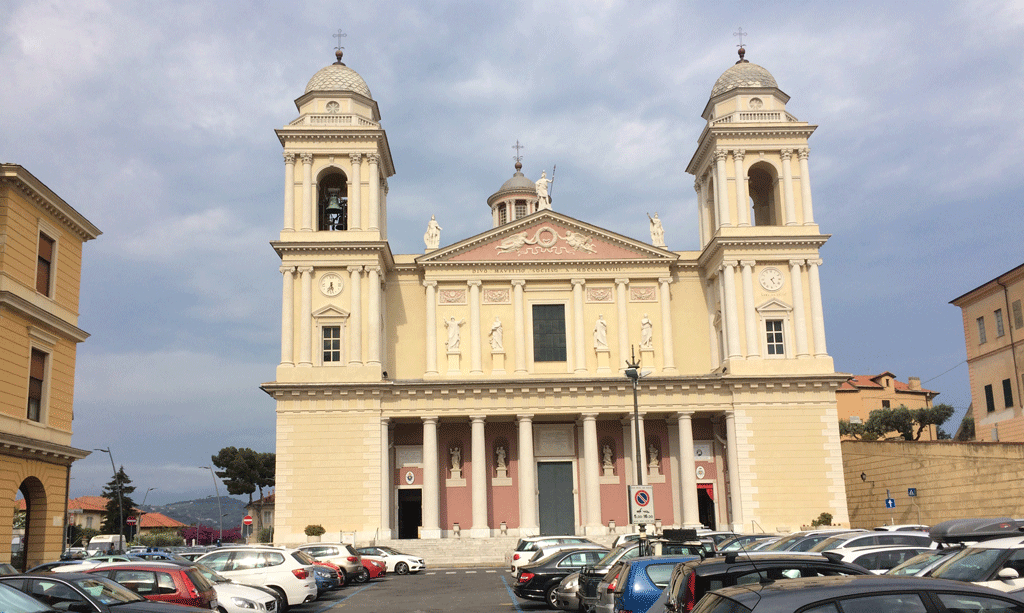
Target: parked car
567 595
13 601
395 561
162 582
86 593
46 567
876 539
326 578
162 556
642 581
372 569
233 597
544 552
806 539
877 559
997 563
526 546
286 571
858 594
690 581
538 580
591 576
342 554
922 564
904 527
742 542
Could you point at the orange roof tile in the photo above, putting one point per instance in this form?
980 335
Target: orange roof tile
159 520
88 503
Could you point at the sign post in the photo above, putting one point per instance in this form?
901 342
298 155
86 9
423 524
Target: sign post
247 520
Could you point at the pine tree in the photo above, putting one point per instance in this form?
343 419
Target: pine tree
112 524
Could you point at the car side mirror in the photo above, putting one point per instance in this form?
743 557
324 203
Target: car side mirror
1007 573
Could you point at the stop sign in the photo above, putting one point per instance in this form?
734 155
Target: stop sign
247 520
131 521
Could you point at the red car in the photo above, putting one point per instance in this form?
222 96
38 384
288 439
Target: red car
162 582
374 569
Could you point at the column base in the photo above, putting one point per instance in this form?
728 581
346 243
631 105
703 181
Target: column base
597 530
384 534
480 533
529 531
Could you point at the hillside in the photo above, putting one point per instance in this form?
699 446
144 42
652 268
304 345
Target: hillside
203 511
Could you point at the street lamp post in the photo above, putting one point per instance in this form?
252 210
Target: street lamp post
120 507
138 527
220 520
634 374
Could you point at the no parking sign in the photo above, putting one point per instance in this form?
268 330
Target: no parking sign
641 504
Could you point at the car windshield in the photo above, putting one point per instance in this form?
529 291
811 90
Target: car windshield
302 557
612 556
393 552
106 591
915 564
210 576
11 600
969 565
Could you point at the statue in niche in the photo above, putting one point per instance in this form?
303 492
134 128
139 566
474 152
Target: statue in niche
601 333
657 231
453 333
646 333
500 452
606 463
456 459
432 237
497 336
654 462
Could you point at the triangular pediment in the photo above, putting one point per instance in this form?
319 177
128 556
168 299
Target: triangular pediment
547 236
330 311
774 305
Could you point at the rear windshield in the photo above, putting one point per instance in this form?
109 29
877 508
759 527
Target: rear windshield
713 603
198 580
659 574
302 558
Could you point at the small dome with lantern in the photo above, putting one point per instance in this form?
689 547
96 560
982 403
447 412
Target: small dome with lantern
338 78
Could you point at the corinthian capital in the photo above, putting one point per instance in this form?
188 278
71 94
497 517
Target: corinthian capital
786 154
355 158
803 152
738 154
307 158
289 157
373 158
721 154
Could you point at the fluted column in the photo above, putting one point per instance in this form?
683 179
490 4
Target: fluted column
519 308
373 317
527 480
289 191
731 311
578 329
622 323
742 202
355 355
749 317
306 317
591 474
386 487
479 479
307 191
374 178
688 475
431 481
799 318
475 362
787 186
668 356
722 189
288 316
431 335
355 193
733 464
705 211
817 315
805 186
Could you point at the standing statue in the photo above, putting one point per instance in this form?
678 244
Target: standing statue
432 237
543 198
653 454
601 333
497 342
453 333
646 333
500 452
657 231
606 451
456 458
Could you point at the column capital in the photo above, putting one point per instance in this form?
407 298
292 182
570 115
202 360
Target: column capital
355 158
696 185
385 421
729 264
477 418
786 154
685 414
307 158
305 269
578 281
287 269
355 269
797 262
430 419
289 157
589 416
518 282
524 417
815 262
376 269
373 158
748 263
738 154
803 152
720 154
430 284
666 280
622 282
474 283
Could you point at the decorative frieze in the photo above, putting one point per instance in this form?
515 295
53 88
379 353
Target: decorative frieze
452 296
600 294
643 293
497 296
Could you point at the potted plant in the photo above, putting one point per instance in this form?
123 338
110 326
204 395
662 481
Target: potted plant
313 532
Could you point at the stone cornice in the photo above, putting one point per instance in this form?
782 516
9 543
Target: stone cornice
761 244
34 449
317 248
34 189
65 329
306 134
710 137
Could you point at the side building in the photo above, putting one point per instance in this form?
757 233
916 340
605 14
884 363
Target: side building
41 239
478 389
862 394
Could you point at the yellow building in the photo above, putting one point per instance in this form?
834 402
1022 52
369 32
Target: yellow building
993 322
41 238
861 394
478 389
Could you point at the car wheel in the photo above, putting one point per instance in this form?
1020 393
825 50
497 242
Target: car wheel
549 596
342 577
362 576
282 599
402 568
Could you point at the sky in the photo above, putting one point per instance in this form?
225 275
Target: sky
156 122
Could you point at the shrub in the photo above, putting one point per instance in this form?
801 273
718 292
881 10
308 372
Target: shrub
825 519
266 535
314 530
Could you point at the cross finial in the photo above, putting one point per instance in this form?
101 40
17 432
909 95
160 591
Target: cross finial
518 157
740 33
340 35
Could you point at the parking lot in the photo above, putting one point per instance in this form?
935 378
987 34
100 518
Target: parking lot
441 590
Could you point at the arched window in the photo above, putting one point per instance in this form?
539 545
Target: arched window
502 215
763 197
332 202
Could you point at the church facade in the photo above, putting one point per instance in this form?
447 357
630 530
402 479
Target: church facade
478 389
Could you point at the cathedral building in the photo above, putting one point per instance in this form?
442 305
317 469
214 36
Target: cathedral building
479 389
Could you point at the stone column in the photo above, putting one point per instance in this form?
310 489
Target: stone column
355 193
475 362
805 186
742 202
307 192
479 479
723 322
787 186
579 333
306 317
701 221
591 475
622 322
667 346
705 212
688 475
355 356
799 318
519 309
431 481
374 178
749 316
733 464
288 316
373 317
721 189
817 315
386 478
431 336
731 315
527 480
289 191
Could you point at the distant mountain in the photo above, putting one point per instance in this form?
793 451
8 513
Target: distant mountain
203 511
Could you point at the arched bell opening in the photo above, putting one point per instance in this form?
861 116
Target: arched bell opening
763 185
332 202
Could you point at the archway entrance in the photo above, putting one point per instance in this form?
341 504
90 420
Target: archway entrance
410 513
706 504
33 526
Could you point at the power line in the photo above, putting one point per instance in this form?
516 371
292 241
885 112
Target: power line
951 369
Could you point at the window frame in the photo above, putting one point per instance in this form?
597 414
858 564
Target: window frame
330 316
1018 315
990 399
770 334
45 343
535 333
49 232
336 351
982 339
771 311
1000 328
1008 393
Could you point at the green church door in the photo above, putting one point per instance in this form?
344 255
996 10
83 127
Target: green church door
557 511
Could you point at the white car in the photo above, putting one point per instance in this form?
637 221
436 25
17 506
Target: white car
526 546
998 564
877 559
395 561
289 572
876 539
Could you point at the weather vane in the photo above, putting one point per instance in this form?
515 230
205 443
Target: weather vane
740 33
518 156
340 35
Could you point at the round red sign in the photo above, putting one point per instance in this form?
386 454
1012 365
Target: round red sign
131 521
247 520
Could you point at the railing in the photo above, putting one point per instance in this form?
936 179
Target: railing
332 120
755 116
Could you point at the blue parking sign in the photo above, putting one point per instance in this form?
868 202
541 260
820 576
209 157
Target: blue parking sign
890 503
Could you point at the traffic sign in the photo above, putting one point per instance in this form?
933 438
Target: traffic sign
641 504
131 521
247 520
912 492
890 503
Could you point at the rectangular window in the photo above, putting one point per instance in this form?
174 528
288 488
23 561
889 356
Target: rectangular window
990 399
999 323
1018 316
981 330
548 333
775 341
502 215
332 344
521 209
1007 393
88 521
44 264
885 404
37 373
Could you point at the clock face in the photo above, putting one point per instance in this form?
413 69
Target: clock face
771 279
331 284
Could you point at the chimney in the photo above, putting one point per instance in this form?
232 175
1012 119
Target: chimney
914 383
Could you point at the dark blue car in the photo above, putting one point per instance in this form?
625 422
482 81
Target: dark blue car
645 579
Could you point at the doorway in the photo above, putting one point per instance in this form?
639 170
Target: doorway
555 500
410 513
706 506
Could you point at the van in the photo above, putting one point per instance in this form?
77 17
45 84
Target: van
105 542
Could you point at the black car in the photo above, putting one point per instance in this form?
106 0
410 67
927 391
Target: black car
691 580
83 593
591 575
13 601
858 594
538 580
